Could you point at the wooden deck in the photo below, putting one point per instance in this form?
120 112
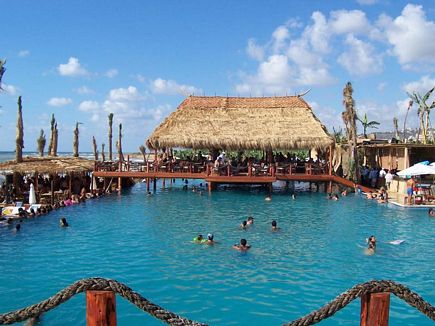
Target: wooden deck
267 176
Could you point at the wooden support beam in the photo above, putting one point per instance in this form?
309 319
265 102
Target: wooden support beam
119 184
330 160
375 308
100 308
155 184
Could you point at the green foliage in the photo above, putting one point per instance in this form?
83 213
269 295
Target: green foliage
338 135
367 124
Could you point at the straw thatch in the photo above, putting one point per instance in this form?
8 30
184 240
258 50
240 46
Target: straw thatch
48 165
234 123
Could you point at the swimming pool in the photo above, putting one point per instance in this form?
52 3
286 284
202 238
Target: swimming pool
145 242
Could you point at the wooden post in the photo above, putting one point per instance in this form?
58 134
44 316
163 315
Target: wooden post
100 308
148 184
119 184
155 184
330 160
249 168
164 183
52 190
375 309
228 169
70 175
128 162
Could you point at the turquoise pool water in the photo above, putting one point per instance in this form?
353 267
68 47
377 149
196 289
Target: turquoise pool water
145 242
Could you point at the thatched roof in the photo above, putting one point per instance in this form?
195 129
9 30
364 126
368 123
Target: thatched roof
48 165
234 123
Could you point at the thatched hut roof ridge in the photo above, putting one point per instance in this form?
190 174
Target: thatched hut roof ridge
285 123
49 165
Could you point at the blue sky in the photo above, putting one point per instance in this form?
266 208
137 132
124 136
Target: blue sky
82 60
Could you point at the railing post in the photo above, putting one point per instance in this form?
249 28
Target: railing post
330 160
375 309
228 169
100 308
128 162
120 166
249 168
148 166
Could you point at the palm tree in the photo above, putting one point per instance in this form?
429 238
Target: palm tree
103 155
110 135
406 118
349 118
20 134
2 71
119 144
76 140
143 151
396 128
423 111
367 124
41 141
94 143
51 143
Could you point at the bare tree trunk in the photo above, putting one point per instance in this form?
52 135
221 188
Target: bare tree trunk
51 144
406 118
103 155
350 115
143 151
76 141
110 136
55 139
119 144
94 143
41 143
20 134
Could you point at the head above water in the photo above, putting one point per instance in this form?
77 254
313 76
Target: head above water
243 242
210 237
274 223
199 237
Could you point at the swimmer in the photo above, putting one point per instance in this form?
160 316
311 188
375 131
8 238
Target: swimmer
250 220
244 225
63 223
199 239
149 194
335 197
371 243
329 196
268 198
431 212
243 246
210 240
344 192
274 226
293 196
17 227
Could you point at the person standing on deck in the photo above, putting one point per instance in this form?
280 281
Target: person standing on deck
410 184
388 179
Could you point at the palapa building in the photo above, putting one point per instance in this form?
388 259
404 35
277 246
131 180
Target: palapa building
242 123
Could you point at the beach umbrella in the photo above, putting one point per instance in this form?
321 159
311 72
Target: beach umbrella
32 195
417 169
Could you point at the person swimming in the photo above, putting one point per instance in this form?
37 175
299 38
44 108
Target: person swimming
149 194
250 220
275 226
210 239
243 246
17 227
199 239
63 223
372 243
268 198
243 225
431 212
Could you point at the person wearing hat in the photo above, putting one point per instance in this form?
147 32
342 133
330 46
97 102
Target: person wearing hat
210 239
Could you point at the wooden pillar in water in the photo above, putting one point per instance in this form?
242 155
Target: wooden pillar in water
375 308
100 308
164 183
155 184
148 184
119 184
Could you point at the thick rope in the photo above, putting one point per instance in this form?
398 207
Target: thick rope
359 290
99 284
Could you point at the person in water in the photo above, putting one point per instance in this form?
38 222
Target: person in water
268 198
250 220
210 239
244 225
431 212
17 227
149 194
63 223
372 243
275 226
199 239
243 246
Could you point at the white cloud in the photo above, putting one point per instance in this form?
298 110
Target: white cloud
420 86
72 69
360 59
140 78
10 89
254 50
24 53
367 2
84 90
352 21
171 87
89 106
111 73
381 86
125 94
59 101
279 37
411 36
318 33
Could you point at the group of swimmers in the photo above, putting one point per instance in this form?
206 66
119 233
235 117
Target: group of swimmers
242 245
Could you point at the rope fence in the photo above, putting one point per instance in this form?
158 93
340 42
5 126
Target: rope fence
363 290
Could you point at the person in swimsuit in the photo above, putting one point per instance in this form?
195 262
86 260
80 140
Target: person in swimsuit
243 246
410 184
